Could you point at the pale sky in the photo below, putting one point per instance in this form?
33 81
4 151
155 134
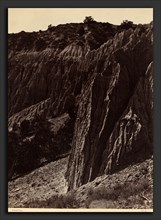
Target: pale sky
35 19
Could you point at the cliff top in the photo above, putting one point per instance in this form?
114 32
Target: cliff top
58 37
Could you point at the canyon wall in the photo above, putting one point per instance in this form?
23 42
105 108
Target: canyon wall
114 121
97 74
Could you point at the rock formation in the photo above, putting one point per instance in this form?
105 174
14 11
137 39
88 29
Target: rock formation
114 120
100 76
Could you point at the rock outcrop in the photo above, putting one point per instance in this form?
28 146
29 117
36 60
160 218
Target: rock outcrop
98 74
114 120
44 81
50 69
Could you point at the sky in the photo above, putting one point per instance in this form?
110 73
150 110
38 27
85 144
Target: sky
35 19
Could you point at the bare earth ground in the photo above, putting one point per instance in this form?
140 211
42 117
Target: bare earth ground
49 180
131 175
41 184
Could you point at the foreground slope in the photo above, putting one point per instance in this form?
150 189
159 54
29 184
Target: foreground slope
46 187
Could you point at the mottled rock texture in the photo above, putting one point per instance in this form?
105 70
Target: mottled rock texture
114 120
50 69
101 76
44 81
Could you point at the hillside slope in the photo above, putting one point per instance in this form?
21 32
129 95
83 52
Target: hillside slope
46 187
83 90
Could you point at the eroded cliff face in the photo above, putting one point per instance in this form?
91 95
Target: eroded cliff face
103 82
44 81
46 64
114 120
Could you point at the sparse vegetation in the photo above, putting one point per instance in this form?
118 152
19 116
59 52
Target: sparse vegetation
50 26
127 24
119 191
123 195
35 141
56 201
81 31
88 19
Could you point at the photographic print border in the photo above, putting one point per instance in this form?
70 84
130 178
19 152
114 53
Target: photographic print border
156 5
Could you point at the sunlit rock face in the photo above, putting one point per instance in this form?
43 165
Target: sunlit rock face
114 120
98 74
